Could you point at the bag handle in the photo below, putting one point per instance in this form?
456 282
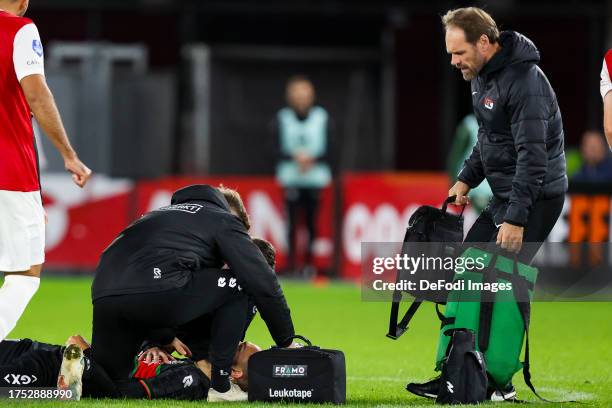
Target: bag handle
449 200
304 339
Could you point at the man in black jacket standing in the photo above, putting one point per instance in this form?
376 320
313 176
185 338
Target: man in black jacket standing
156 274
520 147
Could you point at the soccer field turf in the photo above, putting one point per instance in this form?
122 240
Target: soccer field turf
570 343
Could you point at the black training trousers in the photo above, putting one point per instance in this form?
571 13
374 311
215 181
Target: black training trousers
121 323
542 219
307 200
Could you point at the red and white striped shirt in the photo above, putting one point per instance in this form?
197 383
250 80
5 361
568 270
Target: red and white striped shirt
21 55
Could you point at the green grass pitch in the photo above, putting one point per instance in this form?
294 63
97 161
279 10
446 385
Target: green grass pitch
571 343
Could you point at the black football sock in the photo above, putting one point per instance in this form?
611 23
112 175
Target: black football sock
220 380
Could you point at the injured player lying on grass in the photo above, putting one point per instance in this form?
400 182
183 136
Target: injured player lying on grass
27 363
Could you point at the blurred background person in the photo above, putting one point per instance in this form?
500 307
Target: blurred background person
597 163
465 138
303 147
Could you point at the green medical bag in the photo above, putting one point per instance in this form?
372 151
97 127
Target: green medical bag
500 320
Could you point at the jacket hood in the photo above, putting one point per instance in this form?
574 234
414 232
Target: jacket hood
516 49
200 192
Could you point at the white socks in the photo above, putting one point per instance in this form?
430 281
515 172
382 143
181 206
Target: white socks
15 295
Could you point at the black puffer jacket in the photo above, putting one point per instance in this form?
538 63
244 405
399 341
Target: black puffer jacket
520 149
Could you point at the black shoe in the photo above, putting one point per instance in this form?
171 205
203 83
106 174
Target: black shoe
428 390
508 393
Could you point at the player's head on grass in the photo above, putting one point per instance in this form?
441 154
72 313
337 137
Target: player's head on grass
16 7
240 364
236 205
267 249
472 38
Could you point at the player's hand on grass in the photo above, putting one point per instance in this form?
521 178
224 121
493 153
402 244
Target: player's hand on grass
80 172
179 347
155 354
460 190
510 237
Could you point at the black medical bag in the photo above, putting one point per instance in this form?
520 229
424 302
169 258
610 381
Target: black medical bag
306 374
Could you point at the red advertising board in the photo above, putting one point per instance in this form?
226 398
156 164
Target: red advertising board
376 208
83 222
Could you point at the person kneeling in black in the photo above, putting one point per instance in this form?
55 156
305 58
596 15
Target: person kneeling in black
157 274
216 336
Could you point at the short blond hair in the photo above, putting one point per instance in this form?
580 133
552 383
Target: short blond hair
474 22
235 202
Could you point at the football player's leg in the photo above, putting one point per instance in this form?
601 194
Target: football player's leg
483 230
228 326
115 340
15 294
35 368
10 350
22 252
196 335
291 205
311 206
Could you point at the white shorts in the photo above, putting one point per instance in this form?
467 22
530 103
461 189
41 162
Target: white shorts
22 231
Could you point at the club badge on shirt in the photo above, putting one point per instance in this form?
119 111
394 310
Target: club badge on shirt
37 47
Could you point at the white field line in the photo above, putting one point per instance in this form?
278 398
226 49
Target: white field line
559 393
376 379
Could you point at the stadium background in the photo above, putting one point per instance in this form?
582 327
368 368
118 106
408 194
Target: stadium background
159 93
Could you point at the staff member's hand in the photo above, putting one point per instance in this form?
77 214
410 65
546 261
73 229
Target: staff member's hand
460 189
179 347
510 237
155 354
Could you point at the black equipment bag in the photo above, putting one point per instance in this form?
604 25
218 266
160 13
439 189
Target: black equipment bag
306 374
464 373
427 224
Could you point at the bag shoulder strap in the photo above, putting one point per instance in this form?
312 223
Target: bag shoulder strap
521 292
396 329
487 299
